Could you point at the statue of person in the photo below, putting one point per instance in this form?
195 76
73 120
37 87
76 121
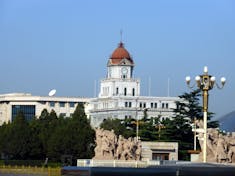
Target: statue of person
108 144
221 149
126 154
138 151
98 141
104 145
112 140
231 149
212 136
119 148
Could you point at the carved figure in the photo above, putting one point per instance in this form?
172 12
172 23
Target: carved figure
220 148
231 150
138 150
119 149
108 146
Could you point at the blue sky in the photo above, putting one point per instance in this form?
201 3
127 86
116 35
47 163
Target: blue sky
66 44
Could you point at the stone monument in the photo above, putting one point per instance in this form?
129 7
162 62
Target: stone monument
220 147
111 147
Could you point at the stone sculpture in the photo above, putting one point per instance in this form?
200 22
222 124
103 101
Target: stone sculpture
220 148
110 147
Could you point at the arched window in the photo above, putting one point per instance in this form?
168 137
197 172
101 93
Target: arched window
117 91
125 91
133 92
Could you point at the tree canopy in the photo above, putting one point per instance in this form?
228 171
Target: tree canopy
48 137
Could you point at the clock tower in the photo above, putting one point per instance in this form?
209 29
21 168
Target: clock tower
119 95
119 80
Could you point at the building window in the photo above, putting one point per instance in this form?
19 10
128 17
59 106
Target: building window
142 105
62 104
105 91
117 91
151 105
133 92
160 156
163 105
155 105
129 104
105 105
71 104
126 104
125 91
52 104
167 105
27 110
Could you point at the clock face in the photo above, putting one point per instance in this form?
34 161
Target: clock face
124 70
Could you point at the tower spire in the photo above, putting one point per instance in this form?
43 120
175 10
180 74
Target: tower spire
121 36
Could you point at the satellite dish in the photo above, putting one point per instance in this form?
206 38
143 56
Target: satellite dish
52 92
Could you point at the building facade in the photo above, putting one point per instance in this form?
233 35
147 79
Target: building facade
119 95
159 151
32 106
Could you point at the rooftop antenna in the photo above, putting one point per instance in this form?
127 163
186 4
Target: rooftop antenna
121 35
168 87
149 86
95 88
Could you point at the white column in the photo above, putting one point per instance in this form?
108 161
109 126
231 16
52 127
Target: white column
205 136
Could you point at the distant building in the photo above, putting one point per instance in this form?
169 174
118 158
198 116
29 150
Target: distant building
119 95
31 106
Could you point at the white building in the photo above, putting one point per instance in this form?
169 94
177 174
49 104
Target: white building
119 95
31 106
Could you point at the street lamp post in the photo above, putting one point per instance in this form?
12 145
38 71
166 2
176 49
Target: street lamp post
205 82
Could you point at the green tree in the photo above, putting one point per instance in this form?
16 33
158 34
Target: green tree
120 127
4 136
75 137
36 145
84 143
17 145
191 108
178 129
60 142
47 125
148 129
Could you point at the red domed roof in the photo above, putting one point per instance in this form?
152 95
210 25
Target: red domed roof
119 54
